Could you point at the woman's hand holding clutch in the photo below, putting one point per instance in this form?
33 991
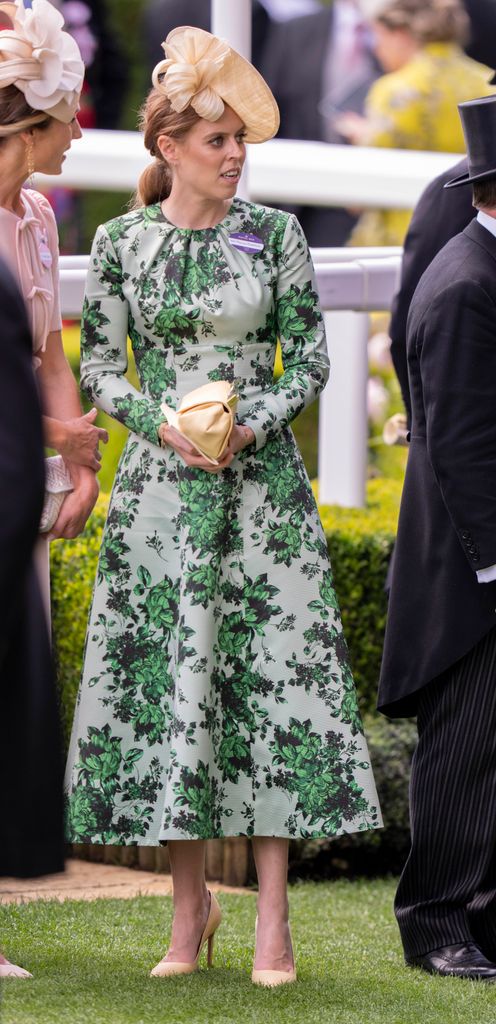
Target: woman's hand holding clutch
240 438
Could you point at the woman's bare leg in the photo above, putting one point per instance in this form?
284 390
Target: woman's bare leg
191 899
273 949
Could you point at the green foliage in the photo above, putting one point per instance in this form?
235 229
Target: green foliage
360 545
73 569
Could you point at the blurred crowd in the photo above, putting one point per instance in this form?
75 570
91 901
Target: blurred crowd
375 72
386 73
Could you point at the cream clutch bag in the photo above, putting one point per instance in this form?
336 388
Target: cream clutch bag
58 483
205 417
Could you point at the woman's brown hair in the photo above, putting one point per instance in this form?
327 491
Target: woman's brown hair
157 117
429 21
16 115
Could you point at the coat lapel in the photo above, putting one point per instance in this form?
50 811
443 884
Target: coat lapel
477 233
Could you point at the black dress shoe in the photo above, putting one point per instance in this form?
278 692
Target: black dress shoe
465 960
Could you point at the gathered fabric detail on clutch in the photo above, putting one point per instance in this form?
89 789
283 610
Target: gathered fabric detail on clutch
206 418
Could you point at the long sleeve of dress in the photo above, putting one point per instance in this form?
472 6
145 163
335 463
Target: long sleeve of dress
104 333
300 328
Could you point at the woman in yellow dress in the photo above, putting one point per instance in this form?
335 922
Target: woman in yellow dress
414 105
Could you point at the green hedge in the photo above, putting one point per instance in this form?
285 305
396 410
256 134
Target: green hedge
360 543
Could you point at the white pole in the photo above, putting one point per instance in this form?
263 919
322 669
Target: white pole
231 20
343 412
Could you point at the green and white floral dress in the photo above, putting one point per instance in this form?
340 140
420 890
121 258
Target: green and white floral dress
216 697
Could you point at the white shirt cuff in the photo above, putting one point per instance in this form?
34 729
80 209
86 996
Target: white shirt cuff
486 575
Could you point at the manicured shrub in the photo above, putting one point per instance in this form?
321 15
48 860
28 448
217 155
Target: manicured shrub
73 570
360 545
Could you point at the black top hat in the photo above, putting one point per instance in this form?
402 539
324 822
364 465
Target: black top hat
479 128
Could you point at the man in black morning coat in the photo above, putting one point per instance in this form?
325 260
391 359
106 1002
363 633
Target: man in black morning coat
31 831
440 647
440 213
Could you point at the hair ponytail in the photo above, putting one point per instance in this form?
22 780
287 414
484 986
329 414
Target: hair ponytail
154 184
157 118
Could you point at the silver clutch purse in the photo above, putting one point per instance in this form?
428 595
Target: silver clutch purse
58 483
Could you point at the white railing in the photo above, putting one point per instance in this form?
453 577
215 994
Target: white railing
280 171
351 283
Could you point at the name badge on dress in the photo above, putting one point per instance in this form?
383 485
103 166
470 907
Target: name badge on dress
45 254
246 243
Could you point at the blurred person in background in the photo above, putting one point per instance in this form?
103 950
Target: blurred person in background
318 66
440 213
161 16
480 43
31 807
101 102
414 105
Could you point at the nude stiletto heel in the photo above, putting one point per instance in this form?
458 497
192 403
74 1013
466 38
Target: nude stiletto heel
168 968
270 979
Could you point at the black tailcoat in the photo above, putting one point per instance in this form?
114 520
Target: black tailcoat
447 530
439 215
31 839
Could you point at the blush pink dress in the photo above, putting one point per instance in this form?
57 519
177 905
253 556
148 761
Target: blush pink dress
29 246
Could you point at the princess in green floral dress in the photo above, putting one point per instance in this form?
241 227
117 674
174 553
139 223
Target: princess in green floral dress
217 698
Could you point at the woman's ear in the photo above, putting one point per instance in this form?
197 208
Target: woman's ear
168 148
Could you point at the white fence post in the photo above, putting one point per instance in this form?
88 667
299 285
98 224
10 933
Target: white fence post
231 20
343 412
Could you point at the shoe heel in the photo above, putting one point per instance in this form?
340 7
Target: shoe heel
210 950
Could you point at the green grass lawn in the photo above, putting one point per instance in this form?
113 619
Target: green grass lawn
91 964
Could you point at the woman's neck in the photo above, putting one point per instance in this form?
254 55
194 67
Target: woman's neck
10 188
194 212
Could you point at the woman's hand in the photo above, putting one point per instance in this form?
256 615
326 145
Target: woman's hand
76 439
352 127
240 438
77 505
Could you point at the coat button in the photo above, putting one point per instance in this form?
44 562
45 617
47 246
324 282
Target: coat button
465 535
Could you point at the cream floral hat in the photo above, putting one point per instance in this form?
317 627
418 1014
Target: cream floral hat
204 72
40 59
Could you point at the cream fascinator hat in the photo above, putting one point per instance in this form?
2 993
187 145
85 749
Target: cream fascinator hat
205 72
41 60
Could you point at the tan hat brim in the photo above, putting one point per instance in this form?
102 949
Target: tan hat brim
244 90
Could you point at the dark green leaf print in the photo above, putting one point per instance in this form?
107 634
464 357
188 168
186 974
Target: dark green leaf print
175 328
298 316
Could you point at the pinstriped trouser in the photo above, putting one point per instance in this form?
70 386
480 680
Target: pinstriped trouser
447 892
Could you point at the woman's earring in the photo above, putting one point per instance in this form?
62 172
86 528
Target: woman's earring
30 160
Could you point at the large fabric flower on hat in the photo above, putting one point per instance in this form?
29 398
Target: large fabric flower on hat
40 59
188 74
